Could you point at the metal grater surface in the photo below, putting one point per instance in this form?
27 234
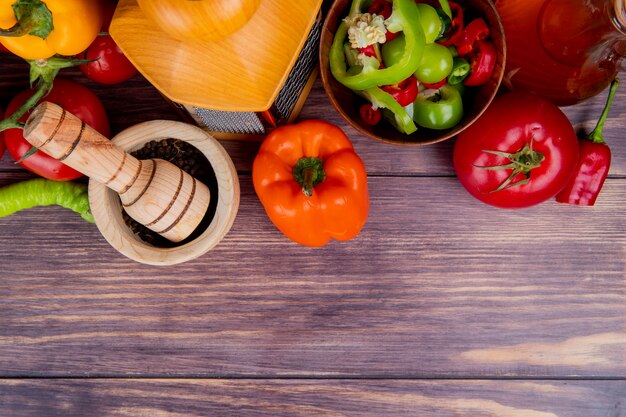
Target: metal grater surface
299 75
230 122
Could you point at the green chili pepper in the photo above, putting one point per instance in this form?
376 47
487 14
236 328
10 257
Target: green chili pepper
446 24
460 71
445 6
44 192
381 99
405 18
438 109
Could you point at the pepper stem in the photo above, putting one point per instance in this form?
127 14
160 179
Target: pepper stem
309 172
596 133
12 121
33 18
42 74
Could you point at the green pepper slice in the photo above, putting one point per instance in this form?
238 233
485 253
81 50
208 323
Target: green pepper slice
438 109
405 18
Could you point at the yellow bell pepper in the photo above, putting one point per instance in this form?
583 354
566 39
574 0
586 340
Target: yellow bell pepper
39 29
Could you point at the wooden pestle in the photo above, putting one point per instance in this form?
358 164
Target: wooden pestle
154 192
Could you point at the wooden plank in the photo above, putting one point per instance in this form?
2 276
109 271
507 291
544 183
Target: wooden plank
460 290
299 398
137 101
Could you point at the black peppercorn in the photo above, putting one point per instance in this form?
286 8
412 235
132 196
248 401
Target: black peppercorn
188 158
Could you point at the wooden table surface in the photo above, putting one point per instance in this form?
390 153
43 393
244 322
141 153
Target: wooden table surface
442 306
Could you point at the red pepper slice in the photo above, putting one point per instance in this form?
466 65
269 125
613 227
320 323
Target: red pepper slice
593 165
435 86
456 26
482 61
383 8
405 92
370 115
476 30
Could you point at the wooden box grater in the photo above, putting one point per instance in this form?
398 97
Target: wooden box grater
238 87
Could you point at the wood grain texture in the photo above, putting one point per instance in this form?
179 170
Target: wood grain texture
299 398
474 293
436 285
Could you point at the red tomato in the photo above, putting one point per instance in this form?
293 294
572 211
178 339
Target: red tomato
111 65
76 99
533 132
2 147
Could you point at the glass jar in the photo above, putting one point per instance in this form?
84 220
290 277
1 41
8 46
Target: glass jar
564 50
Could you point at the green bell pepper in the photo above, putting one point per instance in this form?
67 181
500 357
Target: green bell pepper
438 109
405 18
381 99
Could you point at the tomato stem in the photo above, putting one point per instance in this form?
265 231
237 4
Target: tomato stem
521 162
309 172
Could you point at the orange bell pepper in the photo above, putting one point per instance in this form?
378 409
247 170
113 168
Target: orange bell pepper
312 183
37 29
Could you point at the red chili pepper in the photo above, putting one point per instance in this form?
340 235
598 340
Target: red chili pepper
405 92
369 114
383 8
436 85
476 30
593 163
482 61
456 25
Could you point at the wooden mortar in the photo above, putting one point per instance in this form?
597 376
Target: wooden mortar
154 192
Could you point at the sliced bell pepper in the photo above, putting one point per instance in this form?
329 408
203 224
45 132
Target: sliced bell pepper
405 18
404 92
400 118
482 62
476 30
35 30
